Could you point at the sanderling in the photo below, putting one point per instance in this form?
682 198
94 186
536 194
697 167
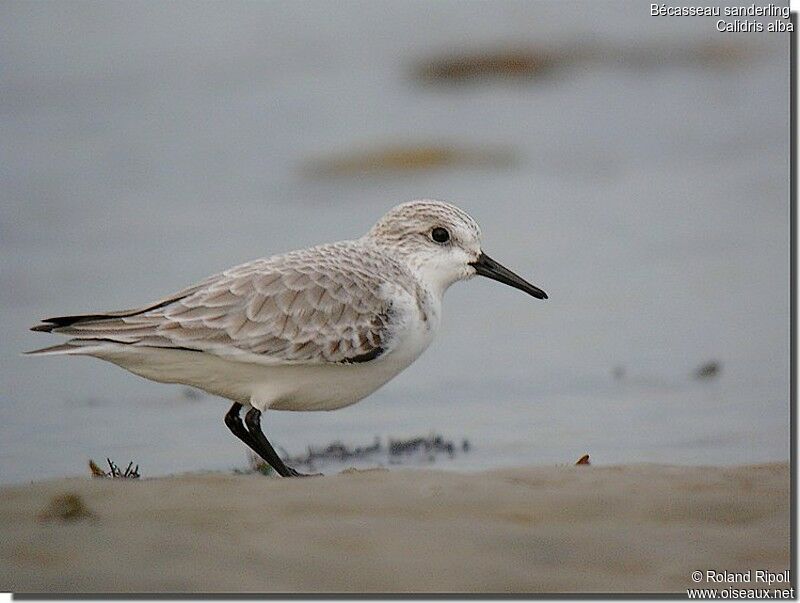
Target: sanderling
314 329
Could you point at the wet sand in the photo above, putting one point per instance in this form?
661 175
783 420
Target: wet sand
638 528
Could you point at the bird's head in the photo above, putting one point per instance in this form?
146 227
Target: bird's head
442 244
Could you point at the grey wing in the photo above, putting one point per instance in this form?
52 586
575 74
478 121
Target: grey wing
280 313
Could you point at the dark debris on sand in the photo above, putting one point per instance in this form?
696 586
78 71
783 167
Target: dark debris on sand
114 472
66 507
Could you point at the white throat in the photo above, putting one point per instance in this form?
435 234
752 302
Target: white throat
436 279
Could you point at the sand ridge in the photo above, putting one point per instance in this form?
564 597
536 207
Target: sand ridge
641 528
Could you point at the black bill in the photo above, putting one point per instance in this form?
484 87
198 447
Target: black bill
486 266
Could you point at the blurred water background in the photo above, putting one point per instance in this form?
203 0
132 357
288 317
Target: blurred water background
634 167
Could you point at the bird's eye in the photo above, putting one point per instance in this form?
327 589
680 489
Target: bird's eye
440 235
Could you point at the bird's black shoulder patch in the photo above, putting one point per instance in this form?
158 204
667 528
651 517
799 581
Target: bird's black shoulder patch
371 355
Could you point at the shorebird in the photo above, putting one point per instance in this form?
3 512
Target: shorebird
314 329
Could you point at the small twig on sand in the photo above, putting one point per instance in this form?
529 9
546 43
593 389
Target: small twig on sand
130 472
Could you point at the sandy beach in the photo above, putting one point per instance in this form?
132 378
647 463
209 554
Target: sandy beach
541 529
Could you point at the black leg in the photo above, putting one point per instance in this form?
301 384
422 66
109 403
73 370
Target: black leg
234 423
262 446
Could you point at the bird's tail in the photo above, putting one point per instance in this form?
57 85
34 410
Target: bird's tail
99 332
73 346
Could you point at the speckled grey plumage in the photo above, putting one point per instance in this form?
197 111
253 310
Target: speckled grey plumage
323 304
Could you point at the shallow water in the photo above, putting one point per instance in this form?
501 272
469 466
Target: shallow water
145 150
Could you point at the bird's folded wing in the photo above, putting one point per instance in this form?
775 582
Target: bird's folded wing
292 312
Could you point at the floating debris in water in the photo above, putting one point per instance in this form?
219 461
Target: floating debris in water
527 63
407 159
618 372
709 370
336 452
130 472
508 63
66 507
428 447
584 460
395 451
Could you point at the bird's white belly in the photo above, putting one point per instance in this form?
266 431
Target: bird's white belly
300 387
326 387
332 386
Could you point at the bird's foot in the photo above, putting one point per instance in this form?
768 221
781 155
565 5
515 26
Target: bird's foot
295 473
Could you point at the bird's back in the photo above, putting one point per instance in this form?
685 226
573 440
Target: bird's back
327 304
